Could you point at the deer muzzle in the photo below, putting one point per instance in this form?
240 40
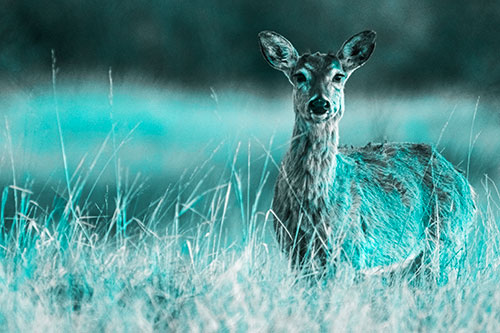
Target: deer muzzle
319 106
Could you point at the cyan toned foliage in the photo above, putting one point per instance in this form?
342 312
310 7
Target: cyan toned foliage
199 256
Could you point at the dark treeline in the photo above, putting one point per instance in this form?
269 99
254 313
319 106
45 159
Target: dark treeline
199 42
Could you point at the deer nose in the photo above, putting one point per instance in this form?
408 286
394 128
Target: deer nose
319 106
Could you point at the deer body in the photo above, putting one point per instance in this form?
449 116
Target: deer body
375 206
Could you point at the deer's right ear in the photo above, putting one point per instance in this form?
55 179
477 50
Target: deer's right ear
278 51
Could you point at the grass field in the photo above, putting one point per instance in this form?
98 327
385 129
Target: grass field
148 208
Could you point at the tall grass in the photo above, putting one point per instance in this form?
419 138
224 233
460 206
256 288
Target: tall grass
202 256
63 270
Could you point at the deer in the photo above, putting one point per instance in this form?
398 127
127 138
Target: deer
376 208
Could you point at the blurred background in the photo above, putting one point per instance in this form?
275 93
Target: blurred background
200 43
189 84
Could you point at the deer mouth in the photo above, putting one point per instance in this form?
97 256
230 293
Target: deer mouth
320 117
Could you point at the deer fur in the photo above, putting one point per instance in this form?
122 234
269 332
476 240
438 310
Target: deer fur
373 207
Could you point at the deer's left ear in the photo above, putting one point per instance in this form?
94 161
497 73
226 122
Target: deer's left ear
356 50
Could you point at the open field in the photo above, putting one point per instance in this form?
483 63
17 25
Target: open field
153 213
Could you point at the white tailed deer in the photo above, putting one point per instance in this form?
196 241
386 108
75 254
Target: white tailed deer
375 207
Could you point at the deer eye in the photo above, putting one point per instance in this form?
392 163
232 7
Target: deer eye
337 78
300 78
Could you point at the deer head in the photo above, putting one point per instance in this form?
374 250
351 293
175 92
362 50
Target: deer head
318 79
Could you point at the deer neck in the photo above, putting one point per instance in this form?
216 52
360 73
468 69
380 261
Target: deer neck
312 160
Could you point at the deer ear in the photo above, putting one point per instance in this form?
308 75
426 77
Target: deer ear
278 51
356 50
